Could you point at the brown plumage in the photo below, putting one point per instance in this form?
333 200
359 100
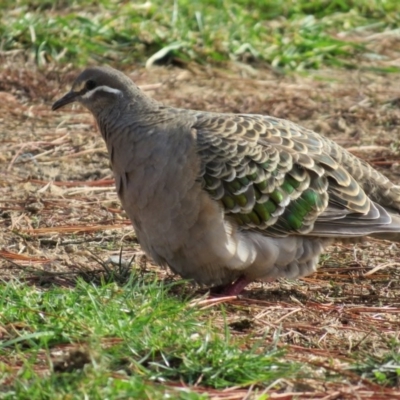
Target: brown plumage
225 197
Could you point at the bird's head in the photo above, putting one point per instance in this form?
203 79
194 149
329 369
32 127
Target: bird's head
98 88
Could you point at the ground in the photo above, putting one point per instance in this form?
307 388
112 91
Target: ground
60 213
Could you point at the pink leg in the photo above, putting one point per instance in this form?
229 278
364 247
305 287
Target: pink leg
233 289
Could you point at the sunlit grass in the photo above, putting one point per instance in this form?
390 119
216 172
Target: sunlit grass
290 34
99 340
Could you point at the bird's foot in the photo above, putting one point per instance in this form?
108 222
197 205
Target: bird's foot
233 289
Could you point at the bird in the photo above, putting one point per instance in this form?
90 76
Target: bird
227 199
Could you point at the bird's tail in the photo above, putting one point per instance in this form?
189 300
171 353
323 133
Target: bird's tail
392 231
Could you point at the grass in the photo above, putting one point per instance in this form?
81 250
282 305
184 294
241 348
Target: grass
294 34
384 369
116 341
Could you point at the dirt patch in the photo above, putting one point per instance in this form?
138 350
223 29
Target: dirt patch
60 213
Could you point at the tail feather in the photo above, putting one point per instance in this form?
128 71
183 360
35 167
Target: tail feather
378 222
392 231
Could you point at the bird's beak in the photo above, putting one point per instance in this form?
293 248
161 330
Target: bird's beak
70 97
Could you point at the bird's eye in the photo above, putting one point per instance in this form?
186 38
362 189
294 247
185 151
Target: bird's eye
90 84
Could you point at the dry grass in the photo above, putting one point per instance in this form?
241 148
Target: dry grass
60 213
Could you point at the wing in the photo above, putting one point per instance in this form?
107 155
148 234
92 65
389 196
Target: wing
278 178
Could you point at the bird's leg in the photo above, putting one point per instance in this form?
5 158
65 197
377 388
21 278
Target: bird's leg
233 289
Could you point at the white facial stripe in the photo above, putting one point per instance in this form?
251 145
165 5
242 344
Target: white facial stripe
104 88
